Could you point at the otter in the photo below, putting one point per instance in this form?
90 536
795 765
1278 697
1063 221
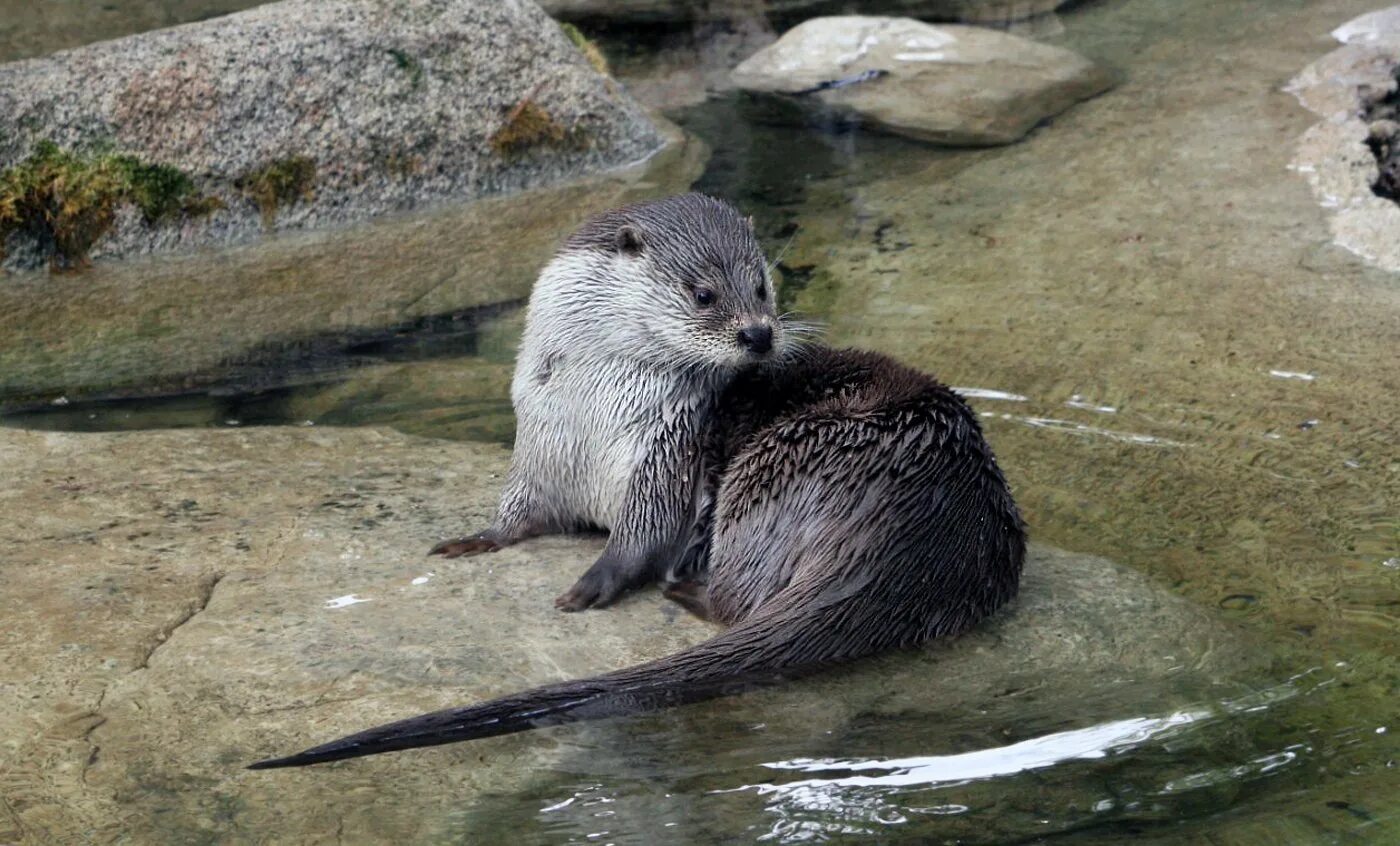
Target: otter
822 504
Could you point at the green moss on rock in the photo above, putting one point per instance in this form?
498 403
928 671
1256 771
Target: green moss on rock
589 49
408 65
68 200
279 183
528 125
403 165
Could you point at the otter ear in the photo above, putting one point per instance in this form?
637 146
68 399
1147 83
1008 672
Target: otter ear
628 240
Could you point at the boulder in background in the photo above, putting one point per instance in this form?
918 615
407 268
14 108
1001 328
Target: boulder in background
955 85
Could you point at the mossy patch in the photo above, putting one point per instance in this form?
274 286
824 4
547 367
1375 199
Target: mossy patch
408 65
403 165
278 184
68 200
528 125
588 48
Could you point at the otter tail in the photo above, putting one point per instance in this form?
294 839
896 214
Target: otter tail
762 650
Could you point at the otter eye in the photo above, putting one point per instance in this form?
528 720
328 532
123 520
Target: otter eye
762 292
704 296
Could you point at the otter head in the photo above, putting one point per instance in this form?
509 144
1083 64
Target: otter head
689 281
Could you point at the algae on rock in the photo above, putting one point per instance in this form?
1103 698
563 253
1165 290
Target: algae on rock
67 200
279 183
528 125
588 48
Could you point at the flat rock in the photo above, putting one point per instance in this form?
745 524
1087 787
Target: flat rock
953 85
395 104
180 603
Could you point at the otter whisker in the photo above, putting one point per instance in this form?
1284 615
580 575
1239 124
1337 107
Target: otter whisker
777 260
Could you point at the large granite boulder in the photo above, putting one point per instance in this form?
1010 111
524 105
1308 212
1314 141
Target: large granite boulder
953 85
180 603
308 112
981 11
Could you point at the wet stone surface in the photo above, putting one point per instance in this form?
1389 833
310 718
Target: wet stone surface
179 604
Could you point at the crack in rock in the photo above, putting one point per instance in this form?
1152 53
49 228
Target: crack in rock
91 759
302 706
207 583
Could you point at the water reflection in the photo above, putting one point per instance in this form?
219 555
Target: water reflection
861 796
949 770
1085 430
991 394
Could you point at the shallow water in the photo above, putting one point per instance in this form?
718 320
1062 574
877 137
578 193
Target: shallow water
1178 370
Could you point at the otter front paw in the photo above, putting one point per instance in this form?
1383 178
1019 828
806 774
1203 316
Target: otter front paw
470 545
601 585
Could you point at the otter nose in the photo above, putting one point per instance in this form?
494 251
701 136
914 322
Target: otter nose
757 339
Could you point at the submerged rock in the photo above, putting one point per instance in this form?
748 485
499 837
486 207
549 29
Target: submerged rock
652 11
953 85
311 112
192 600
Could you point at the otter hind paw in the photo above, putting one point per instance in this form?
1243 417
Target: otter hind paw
601 585
586 594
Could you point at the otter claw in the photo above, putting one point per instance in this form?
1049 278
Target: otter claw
598 587
579 598
469 545
570 602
